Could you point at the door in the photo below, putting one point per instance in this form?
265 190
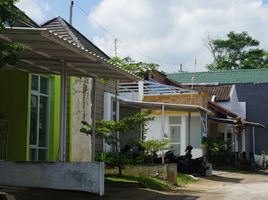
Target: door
175 133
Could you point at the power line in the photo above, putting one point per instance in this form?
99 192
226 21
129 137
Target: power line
120 41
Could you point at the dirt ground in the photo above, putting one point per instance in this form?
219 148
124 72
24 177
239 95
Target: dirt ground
222 185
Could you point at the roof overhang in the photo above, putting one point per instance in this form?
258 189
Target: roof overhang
167 106
44 52
233 121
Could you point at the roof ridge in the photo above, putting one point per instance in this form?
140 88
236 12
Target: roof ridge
220 71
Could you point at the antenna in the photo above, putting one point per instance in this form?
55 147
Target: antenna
193 79
115 47
71 12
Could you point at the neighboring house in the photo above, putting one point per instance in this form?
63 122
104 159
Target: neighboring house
251 86
179 114
223 102
41 108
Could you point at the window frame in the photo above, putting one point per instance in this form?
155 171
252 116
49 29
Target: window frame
40 94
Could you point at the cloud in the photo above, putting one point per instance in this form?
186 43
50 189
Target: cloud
172 32
35 9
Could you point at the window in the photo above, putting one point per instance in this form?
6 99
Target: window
39 124
175 133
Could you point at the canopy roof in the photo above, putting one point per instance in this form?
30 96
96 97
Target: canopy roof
168 106
45 52
233 121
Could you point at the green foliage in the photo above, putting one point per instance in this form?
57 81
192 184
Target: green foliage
8 15
238 51
138 68
214 145
113 159
217 151
109 130
153 146
147 182
184 179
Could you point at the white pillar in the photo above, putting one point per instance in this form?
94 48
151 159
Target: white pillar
63 112
141 91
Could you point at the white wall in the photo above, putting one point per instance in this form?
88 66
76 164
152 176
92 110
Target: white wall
239 108
155 132
81 111
88 177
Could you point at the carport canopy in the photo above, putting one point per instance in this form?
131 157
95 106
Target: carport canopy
44 52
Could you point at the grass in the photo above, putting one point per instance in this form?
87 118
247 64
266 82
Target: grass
147 182
184 179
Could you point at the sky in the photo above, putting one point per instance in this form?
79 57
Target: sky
169 32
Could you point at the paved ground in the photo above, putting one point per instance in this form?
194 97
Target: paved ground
222 185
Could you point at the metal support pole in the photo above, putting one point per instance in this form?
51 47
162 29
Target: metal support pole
93 117
189 128
63 113
163 129
253 140
117 117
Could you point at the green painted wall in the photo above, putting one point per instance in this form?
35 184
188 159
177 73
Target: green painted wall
54 118
14 102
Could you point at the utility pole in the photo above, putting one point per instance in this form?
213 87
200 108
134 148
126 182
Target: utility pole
71 12
115 47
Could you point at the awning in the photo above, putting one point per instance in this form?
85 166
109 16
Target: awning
45 51
233 121
159 105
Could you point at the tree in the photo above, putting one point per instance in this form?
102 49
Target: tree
137 68
109 130
8 15
238 51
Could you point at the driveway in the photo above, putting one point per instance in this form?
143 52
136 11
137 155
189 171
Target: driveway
222 185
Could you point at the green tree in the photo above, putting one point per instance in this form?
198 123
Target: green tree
238 51
138 68
8 15
109 130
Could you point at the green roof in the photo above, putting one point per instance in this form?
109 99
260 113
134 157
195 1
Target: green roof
226 76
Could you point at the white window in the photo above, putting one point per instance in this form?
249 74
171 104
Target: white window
175 133
39 124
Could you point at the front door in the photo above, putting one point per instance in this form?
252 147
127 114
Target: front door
175 133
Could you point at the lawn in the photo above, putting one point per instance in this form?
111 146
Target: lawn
147 182
184 179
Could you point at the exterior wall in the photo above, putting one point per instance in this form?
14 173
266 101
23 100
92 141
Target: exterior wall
256 97
192 99
14 105
81 111
155 131
88 177
239 108
54 118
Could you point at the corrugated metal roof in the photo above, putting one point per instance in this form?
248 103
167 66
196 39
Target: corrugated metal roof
225 76
63 29
221 92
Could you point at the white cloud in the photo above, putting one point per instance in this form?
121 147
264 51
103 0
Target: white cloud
35 9
173 31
